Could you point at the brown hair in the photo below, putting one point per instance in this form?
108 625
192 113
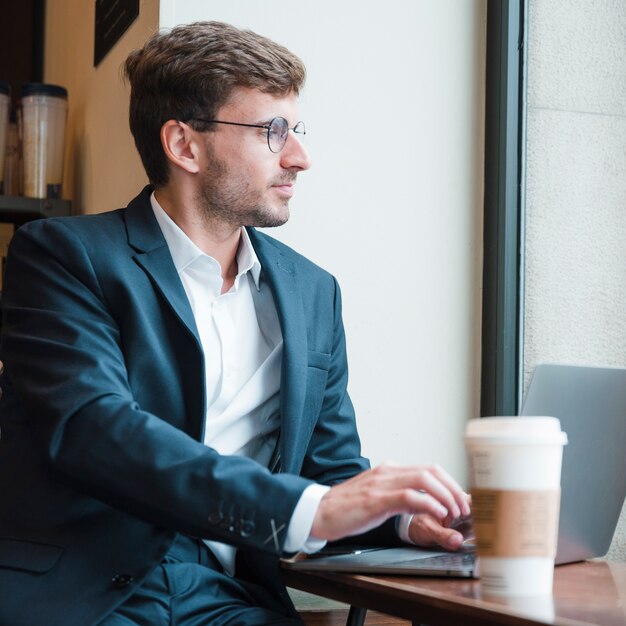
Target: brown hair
191 71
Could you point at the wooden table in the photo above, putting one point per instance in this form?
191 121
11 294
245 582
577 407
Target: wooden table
592 592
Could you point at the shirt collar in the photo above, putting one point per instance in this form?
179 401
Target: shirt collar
184 251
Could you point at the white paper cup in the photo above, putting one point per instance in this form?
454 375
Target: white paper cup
515 475
5 107
44 116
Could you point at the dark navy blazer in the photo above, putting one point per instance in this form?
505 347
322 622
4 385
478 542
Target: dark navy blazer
102 416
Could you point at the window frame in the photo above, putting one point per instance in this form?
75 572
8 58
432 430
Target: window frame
503 208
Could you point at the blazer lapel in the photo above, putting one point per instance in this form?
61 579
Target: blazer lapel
281 277
145 236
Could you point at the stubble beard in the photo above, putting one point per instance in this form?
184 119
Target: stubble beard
229 200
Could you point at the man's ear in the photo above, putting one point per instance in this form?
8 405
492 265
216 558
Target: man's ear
180 145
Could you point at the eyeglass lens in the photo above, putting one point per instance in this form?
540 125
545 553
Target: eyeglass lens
278 132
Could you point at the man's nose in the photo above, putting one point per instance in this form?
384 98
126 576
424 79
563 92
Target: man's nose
294 154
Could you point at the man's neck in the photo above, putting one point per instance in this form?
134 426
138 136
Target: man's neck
213 237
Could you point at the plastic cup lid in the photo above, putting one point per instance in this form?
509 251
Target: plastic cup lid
521 430
43 89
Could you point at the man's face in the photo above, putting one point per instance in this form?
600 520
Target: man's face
242 182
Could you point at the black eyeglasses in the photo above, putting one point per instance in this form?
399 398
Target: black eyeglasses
277 130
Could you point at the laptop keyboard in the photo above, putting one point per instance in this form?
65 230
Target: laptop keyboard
444 561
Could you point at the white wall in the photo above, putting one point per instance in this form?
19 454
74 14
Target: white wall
575 287
393 203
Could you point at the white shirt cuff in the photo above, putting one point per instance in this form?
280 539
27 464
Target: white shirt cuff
402 527
299 532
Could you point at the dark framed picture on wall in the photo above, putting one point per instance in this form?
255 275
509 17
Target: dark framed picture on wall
113 18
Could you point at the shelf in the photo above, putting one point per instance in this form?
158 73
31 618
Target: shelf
17 209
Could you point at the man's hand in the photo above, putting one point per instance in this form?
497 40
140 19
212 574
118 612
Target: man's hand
367 500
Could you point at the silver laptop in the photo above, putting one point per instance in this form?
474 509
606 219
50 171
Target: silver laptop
591 404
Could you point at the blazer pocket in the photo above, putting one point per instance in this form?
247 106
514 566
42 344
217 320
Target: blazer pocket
30 556
320 360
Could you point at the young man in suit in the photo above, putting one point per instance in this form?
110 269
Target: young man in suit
174 414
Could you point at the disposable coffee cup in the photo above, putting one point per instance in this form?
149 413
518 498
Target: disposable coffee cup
44 117
5 107
514 473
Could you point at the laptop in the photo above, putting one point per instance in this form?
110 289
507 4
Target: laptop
591 405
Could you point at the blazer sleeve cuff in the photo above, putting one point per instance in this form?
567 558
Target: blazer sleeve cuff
299 531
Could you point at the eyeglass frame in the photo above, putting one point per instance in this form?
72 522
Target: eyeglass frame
296 129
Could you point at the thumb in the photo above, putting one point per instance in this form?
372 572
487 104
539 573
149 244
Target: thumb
450 539
427 531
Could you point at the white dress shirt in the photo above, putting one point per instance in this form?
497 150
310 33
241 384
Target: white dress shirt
242 343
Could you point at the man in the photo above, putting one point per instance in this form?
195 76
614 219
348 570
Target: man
174 413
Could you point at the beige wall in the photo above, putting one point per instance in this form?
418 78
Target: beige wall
102 168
